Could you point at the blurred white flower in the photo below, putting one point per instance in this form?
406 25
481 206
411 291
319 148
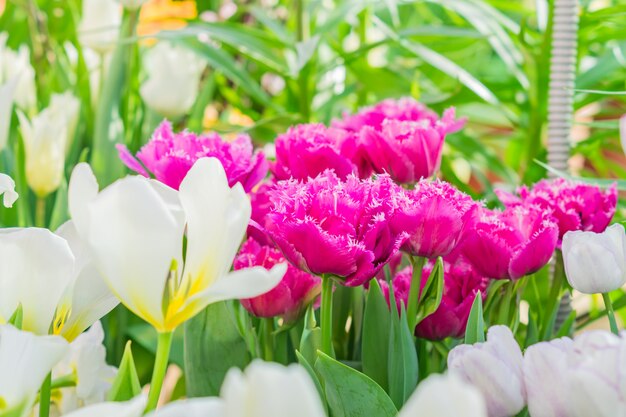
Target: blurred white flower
273 83
195 407
99 25
595 262
269 389
15 65
173 79
44 144
7 190
86 360
7 95
445 396
495 368
545 375
25 361
132 408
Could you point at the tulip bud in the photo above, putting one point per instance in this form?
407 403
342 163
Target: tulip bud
99 25
173 79
595 262
495 368
7 187
432 398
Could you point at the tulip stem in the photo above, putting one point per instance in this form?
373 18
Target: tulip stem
327 315
268 338
44 397
610 312
160 367
418 263
40 212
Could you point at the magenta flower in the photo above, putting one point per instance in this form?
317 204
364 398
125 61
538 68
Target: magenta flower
169 156
401 138
290 297
435 215
511 243
574 205
461 283
326 226
307 150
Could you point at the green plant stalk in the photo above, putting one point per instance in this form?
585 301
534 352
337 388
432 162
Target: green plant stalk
303 79
104 159
44 396
610 313
414 290
327 315
64 381
164 345
268 339
40 212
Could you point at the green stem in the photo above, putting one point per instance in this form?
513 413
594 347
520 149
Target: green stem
160 367
303 79
44 397
610 313
40 212
268 338
327 315
414 290
64 381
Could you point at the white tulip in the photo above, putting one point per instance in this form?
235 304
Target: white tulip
132 408
25 361
135 230
270 389
86 360
495 368
90 297
7 190
36 269
196 407
595 262
15 65
66 107
99 25
7 95
44 145
445 396
545 376
173 79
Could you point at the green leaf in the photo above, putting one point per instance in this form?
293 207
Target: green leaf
600 182
17 317
213 345
532 331
126 384
60 211
311 340
567 328
475 330
374 347
403 364
350 393
432 293
318 385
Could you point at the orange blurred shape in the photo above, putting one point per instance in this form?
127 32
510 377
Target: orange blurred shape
158 15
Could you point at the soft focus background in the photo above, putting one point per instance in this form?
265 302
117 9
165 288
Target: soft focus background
261 66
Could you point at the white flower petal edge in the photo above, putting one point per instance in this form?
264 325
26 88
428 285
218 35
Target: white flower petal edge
25 361
7 189
197 407
132 408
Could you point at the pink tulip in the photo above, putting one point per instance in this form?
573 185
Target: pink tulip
574 205
435 215
511 243
292 295
307 150
402 138
326 226
169 156
461 283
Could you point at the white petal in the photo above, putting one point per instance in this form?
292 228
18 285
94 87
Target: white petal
83 189
36 268
196 407
91 298
132 408
135 237
25 360
7 187
217 218
433 398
